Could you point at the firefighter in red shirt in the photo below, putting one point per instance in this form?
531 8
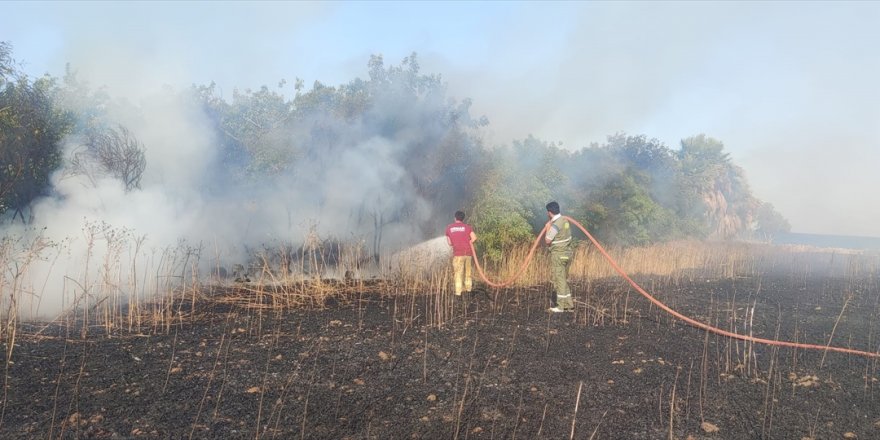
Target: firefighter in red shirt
460 236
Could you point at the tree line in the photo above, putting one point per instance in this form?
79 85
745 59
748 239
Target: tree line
629 190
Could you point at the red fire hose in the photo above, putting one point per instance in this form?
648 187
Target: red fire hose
656 302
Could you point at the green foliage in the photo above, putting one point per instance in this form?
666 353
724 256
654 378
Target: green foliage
510 204
622 212
501 217
255 139
631 190
31 127
648 156
502 225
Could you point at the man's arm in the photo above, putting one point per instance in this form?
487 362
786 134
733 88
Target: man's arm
551 234
473 237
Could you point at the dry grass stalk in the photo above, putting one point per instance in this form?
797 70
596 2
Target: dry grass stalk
576 404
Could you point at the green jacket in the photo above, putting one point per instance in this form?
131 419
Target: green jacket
563 240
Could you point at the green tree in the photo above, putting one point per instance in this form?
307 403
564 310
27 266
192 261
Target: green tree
714 192
650 157
638 152
406 133
538 176
499 216
31 127
258 121
622 212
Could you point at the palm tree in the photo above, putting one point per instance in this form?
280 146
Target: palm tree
715 189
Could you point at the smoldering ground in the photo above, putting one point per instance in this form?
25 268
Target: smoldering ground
495 366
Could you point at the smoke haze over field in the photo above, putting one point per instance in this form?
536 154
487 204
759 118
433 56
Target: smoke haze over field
789 87
188 200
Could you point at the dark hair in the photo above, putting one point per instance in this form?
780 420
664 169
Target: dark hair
459 215
553 207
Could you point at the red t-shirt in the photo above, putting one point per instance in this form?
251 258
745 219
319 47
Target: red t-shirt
459 233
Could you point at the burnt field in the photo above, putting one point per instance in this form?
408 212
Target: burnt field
490 365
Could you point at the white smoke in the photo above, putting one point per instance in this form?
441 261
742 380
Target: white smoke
189 216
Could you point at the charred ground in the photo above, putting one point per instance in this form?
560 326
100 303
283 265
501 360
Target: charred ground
491 365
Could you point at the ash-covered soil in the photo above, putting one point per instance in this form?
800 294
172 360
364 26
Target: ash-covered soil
490 365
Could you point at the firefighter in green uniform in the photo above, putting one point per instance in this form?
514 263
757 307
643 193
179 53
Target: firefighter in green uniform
561 244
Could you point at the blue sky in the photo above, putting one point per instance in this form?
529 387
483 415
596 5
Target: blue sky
791 88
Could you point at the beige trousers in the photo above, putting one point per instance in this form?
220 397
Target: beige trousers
461 267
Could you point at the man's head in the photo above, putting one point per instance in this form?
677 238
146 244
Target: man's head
459 215
553 208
